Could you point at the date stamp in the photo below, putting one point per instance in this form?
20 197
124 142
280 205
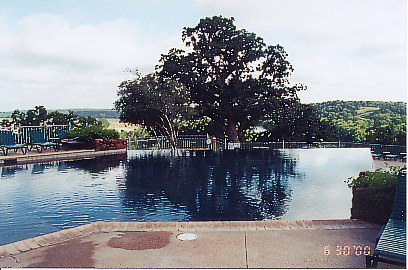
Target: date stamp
355 250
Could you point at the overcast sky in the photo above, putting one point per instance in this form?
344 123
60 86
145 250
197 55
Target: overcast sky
74 54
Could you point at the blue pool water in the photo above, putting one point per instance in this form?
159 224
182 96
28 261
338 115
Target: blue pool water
296 184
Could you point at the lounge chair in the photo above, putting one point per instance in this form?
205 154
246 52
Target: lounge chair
394 153
63 136
37 140
378 152
7 142
391 243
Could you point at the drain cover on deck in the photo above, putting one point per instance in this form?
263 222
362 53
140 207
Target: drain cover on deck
186 236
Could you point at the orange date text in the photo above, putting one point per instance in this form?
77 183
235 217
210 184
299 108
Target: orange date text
355 250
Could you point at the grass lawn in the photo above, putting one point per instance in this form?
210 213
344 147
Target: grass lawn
114 123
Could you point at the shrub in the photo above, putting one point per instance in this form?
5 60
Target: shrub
87 134
373 195
135 134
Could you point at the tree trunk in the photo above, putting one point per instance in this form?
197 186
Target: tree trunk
167 130
232 132
173 141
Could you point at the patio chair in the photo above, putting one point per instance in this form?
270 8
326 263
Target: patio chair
37 140
391 244
63 136
378 152
394 153
7 142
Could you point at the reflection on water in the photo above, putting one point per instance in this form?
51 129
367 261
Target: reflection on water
193 186
227 186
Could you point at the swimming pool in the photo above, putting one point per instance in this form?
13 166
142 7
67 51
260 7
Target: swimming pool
259 184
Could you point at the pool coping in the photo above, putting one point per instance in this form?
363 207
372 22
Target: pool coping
56 156
62 236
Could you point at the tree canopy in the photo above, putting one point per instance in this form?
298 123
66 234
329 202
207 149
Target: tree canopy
231 74
40 116
155 103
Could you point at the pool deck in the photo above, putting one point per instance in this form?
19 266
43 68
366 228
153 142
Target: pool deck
50 155
256 244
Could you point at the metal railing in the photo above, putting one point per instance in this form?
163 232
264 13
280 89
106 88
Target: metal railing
22 134
183 142
201 142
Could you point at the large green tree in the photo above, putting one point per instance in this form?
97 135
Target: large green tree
232 75
159 104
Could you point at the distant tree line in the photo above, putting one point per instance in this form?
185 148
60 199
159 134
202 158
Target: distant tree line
366 121
39 116
352 121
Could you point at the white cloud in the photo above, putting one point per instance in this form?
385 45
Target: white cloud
340 49
48 61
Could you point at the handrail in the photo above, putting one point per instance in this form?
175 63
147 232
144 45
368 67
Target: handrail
200 142
23 133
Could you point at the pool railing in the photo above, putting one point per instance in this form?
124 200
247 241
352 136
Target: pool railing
22 134
202 142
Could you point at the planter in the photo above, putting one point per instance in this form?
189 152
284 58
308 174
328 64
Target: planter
111 144
366 208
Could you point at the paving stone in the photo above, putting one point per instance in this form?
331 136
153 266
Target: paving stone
3 252
67 234
136 226
284 224
41 241
53 238
165 226
273 225
250 226
327 225
157 227
226 226
92 228
148 226
235 225
260 225
308 224
10 249
104 226
203 226
218 226
293 225
182 226
174 226
301 224
22 246
31 244
191 227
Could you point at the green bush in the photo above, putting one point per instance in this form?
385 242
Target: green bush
136 134
373 195
87 134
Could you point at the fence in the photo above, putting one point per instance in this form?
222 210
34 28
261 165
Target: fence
183 142
200 142
23 133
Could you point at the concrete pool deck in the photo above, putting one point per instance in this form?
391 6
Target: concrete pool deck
50 155
256 244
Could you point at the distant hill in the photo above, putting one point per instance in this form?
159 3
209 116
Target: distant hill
366 121
330 110
97 113
359 110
